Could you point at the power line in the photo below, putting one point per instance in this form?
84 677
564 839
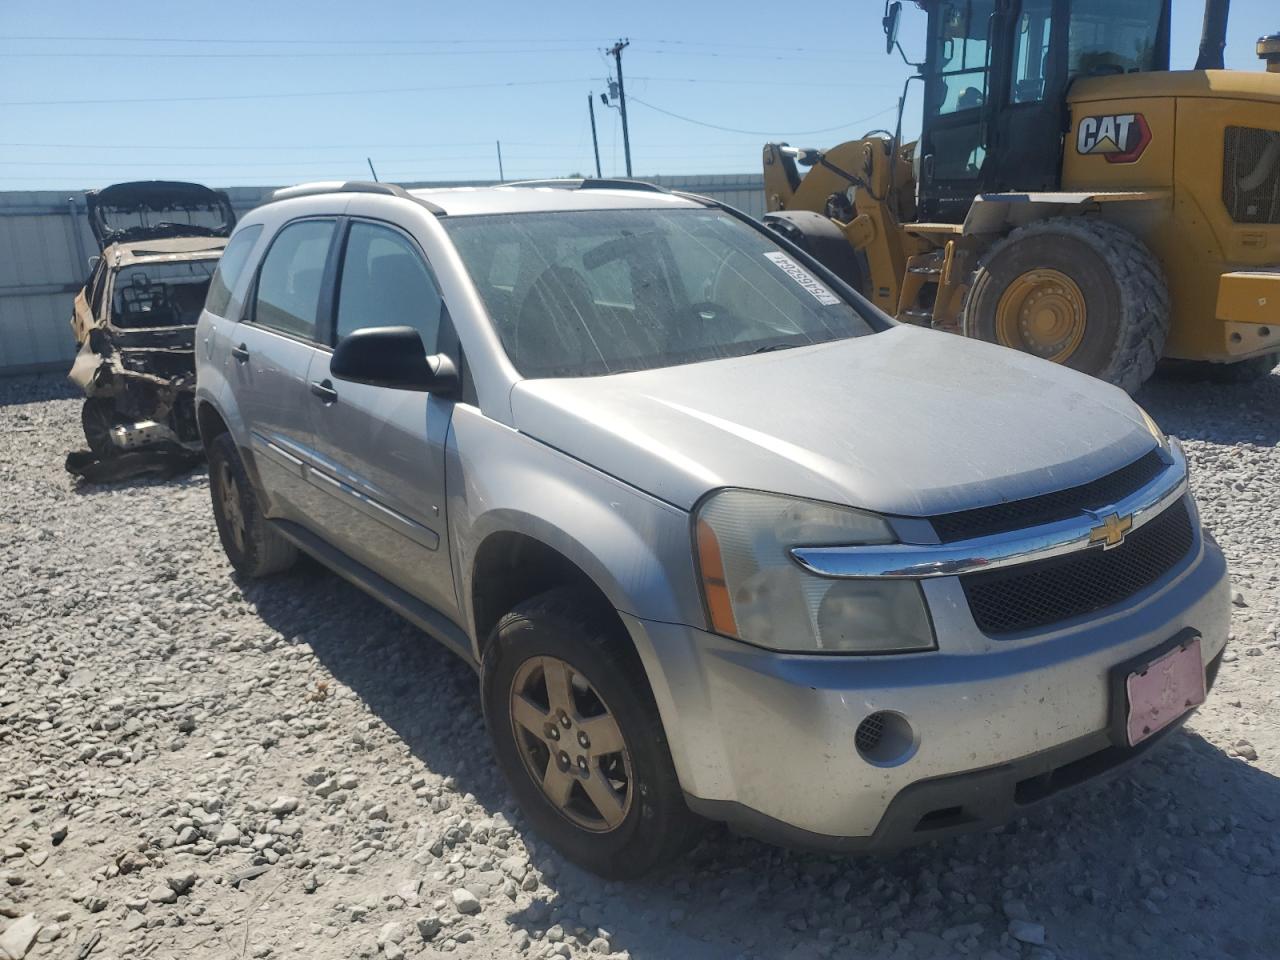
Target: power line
116 55
764 133
345 41
289 96
335 146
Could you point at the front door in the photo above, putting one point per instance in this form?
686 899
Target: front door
380 452
272 350
959 87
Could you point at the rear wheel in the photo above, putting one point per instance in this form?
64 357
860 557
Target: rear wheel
252 545
1080 292
577 735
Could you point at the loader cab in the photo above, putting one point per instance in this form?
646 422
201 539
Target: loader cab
996 74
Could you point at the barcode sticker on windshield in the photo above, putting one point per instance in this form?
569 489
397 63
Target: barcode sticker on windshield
803 277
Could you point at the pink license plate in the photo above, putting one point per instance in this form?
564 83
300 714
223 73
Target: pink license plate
1164 690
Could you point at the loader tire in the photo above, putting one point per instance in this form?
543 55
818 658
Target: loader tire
1078 291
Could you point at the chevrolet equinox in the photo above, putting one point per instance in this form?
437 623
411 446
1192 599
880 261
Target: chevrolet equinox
721 540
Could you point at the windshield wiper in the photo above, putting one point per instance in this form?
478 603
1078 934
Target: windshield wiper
771 347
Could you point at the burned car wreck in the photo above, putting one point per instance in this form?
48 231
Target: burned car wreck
134 324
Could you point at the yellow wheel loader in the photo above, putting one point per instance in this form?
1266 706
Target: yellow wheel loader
1068 196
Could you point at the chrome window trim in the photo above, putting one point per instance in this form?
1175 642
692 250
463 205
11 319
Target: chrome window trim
1046 541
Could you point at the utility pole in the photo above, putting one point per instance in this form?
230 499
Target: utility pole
501 177
616 51
595 144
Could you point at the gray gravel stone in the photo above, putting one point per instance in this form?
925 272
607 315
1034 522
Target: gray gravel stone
18 936
465 901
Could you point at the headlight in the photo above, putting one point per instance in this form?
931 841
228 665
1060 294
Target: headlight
756 592
1154 428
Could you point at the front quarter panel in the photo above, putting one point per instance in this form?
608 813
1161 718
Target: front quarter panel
636 548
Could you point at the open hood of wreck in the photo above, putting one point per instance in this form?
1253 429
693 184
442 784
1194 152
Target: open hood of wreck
151 209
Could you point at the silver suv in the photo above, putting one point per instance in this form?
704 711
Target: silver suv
720 540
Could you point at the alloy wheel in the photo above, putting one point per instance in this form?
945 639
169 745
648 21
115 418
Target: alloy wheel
232 511
571 744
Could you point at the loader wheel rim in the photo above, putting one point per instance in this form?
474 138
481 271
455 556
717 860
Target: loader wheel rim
1042 312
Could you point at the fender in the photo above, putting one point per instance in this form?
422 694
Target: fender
636 548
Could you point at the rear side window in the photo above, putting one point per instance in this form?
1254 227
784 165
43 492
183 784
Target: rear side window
291 277
99 282
232 264
386 283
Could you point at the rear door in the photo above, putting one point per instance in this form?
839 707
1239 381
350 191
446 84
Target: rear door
380 452
272 350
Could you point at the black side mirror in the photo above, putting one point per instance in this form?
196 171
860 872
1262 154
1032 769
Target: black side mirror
892 14
393 357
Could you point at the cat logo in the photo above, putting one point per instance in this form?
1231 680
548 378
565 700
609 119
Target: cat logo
1121 138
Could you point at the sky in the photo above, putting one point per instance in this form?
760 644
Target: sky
266 92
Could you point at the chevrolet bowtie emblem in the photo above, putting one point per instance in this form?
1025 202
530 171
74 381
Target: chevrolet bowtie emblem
1111 531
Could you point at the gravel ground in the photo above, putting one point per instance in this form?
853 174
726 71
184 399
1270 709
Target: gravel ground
192 767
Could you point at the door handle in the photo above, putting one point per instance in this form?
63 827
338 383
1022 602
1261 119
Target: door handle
241 353
324 390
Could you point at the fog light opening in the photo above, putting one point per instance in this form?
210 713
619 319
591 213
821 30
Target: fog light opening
885 739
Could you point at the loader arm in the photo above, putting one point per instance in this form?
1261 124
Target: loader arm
862 170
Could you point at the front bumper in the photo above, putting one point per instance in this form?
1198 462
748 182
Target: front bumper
766 740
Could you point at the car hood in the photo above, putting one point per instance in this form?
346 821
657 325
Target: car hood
152 209
908 422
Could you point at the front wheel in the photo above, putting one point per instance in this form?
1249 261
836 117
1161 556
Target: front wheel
577 735
1077 291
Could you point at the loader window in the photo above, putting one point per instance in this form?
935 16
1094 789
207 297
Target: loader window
1114 36
960 56
1031 51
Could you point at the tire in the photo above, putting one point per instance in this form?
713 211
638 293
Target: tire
1242 371
252 545
565 626
97 417
1122 286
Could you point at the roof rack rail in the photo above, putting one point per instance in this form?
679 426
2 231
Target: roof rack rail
317 187
591 183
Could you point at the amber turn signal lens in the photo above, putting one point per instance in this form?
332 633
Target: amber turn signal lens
714 587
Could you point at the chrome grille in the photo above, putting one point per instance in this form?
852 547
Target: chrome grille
1048 591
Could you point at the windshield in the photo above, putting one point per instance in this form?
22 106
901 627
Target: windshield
166 293
594 292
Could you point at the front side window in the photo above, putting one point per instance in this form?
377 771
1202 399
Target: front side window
230 266
961 54
291 278
594 292
385 283
164 293
1113 36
